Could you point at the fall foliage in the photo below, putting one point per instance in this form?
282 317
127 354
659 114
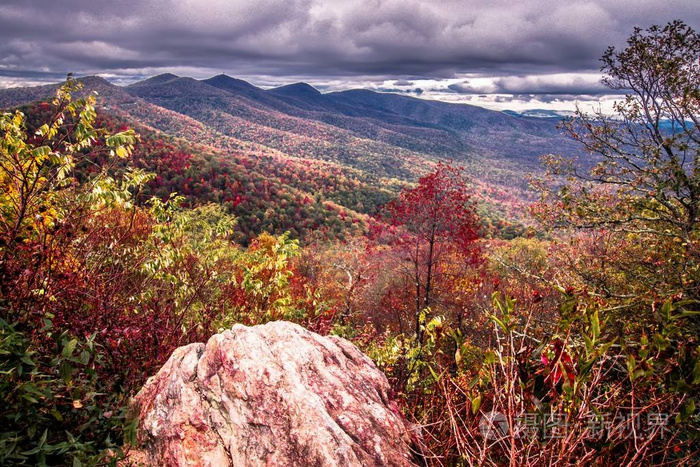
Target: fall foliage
567 338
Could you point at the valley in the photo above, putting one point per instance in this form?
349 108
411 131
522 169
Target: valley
291 150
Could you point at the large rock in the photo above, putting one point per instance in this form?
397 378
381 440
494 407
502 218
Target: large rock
272 395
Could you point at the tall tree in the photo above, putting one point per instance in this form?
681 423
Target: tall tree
435 219
642 197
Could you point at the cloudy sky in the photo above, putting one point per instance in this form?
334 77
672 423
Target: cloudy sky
501 54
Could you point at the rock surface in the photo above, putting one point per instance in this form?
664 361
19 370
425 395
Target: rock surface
271 395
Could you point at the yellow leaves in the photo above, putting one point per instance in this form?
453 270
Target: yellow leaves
18 119
109 192
27 178
36 173
121 152
40 154
43 130
476 404
121 144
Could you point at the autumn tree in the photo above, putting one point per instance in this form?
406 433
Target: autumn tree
632 219
435 221
40 194
54 398
642 195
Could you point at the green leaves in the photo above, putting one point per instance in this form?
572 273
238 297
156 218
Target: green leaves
505 308
476 404
595 325
121 144
46 400
41 153
266 277
687 410
69 348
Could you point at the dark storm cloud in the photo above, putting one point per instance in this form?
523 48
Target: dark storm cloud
339 39
556 84
464 88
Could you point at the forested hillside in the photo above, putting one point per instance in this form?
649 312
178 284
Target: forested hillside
378 142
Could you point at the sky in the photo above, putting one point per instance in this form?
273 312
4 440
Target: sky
500 54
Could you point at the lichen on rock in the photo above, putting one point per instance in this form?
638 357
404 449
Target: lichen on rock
271 395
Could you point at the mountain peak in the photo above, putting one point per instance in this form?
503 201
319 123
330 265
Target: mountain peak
226 82
172 86
223 77
93 80
297 90
159 79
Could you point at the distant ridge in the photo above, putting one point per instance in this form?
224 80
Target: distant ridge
251 148
359 118
169 86
18 96
538 113
155 80
297 90
388 134
229 83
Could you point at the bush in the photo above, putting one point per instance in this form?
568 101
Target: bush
56 410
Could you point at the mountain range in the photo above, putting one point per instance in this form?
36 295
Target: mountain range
350 151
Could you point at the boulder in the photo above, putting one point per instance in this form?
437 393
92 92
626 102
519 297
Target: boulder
271 395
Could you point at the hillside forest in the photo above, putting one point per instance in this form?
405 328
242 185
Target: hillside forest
524 314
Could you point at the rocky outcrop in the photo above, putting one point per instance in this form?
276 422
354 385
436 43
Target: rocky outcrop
271 395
